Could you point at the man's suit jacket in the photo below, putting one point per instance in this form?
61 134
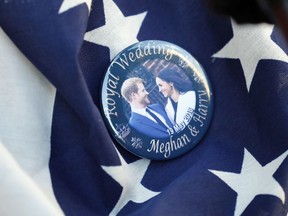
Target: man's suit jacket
148 127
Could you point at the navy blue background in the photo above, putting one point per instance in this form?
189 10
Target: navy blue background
80 142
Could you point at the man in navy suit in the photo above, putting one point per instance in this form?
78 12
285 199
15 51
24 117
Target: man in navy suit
151 120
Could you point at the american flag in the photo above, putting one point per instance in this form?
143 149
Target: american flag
56 155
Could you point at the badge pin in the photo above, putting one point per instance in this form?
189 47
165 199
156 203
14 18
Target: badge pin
157 100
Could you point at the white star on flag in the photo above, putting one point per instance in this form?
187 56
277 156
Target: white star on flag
129 176
68 4
250 44
253 180
119 31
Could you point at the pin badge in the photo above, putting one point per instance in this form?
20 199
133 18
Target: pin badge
157 100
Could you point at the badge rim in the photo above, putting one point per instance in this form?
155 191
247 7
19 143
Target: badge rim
209 92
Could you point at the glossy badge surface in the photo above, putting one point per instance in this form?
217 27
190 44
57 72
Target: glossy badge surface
157 100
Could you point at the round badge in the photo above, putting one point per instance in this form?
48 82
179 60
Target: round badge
157 100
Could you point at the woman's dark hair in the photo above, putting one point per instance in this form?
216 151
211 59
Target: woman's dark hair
181 83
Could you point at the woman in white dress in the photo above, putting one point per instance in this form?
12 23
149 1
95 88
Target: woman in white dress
181 99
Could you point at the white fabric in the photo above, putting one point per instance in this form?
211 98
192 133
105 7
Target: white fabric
254 43
117 28
185 101
68 4
26 106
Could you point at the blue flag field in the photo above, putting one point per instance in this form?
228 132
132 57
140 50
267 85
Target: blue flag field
57 156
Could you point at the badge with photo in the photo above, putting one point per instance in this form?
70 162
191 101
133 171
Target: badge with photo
157 100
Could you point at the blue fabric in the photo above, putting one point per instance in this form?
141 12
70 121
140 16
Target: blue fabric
147 126
247 124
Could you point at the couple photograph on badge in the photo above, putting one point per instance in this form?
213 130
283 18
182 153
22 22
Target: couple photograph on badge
158 120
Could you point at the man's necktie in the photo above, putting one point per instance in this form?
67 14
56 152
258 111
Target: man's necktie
156 118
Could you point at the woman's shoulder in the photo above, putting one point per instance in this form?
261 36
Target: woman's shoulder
188 94
188 100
